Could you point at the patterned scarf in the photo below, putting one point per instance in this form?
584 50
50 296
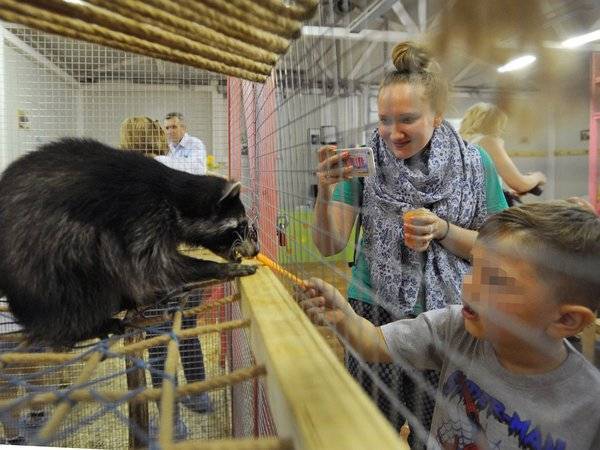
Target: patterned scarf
451 183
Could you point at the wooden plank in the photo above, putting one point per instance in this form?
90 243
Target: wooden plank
314 401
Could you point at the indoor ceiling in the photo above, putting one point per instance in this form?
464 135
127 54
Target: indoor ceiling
358 36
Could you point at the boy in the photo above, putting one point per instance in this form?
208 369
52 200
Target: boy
509 378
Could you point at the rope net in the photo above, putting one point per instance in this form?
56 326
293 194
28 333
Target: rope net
150 385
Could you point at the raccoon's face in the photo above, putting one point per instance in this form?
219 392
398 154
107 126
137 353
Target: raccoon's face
223 228
236 240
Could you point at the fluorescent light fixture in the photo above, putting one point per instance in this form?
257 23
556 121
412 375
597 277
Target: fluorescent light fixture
75 2
517 63
578 41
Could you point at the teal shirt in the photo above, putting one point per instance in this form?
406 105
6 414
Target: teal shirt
349 191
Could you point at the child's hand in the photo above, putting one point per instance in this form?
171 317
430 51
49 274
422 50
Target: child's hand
324 305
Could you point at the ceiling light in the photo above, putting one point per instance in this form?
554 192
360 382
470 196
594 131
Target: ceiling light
578 41
517 63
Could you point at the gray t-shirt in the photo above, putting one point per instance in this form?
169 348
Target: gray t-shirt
481 405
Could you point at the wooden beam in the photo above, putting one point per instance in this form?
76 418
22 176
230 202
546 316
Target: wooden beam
314 400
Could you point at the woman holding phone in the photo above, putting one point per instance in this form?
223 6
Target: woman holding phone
406 266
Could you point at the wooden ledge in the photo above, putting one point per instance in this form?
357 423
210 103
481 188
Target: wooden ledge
314 400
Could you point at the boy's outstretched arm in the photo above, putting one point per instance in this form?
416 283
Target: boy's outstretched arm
324 305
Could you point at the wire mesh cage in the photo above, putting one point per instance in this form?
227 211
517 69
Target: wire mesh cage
55 87
323 91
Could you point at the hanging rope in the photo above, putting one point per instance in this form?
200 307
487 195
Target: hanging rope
240 39
174 24
303 11
200 13
77 29
259 17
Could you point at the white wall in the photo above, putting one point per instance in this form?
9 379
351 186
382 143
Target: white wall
541 132
48 101
106 105
58 105
296 160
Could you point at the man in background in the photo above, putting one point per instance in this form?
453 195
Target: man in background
186 153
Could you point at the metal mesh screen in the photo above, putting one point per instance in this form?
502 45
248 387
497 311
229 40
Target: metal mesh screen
325 90
55 87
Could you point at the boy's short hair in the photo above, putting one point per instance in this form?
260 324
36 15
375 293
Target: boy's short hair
561 239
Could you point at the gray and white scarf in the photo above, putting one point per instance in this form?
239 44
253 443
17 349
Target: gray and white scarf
451 183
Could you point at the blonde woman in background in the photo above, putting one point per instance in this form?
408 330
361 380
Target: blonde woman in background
144 135
483 124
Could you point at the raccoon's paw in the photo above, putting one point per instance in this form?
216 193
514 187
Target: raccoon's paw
239 270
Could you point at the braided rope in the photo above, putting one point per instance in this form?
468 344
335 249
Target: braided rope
13 358
302 11
150 33
265 443
64 407
196 310
147 394
198 12
77 29
195 32
259 17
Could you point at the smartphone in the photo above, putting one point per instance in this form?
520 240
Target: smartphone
362 161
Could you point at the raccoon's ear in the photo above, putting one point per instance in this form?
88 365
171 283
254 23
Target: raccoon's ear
231 190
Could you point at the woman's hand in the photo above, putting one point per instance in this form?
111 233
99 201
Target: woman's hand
541 178
420 229
333 166
323 304
538 179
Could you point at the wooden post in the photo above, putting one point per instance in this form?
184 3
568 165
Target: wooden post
138 412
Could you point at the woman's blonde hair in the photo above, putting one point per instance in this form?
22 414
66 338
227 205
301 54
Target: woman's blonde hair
483 118
415 65
144 135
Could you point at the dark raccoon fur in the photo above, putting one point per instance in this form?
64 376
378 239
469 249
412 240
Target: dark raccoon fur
87 230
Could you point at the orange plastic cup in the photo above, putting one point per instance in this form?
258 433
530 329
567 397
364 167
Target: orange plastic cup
409 217
413 213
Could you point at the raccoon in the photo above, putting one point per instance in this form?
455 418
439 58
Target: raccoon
87 230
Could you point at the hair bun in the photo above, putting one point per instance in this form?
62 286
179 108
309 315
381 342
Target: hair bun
409 57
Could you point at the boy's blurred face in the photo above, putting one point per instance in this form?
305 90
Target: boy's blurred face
505 301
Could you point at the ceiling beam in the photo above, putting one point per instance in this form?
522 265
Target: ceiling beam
358 65
373 11
422 14
364 35
405 18
464 71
